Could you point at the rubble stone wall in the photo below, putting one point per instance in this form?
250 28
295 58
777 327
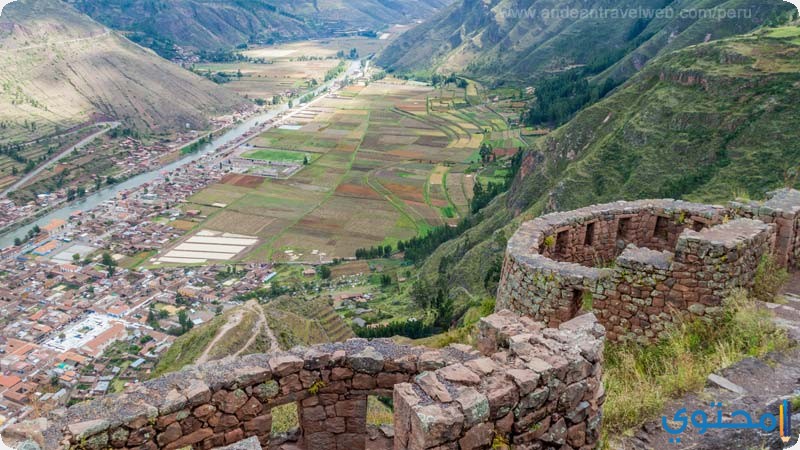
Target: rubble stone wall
648 290
782 208
528 385
643 265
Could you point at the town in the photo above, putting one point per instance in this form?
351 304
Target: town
77 322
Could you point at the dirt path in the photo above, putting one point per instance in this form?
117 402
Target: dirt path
235 319
48 44
754 385
261 324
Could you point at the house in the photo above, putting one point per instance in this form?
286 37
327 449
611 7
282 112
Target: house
54 226
9 381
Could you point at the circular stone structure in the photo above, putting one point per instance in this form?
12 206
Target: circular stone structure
638 266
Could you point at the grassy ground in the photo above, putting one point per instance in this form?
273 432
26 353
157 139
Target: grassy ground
284 418
640 380
277 155
187 348
378 413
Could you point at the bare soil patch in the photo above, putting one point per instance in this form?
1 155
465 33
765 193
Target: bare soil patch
247 181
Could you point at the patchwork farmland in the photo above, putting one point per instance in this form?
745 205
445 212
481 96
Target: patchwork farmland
382 167
286 70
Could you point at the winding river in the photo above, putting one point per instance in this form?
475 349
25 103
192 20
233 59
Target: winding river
98 197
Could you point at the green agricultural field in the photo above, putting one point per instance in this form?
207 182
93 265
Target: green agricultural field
278 156
383 168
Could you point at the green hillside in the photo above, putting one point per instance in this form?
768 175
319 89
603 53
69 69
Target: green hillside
706 123
521 40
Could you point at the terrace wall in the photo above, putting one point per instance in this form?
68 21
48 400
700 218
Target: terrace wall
528 386
671 259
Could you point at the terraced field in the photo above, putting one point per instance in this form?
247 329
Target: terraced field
383 166
297 321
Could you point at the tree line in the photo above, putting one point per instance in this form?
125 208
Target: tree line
560 96
414 329
420 247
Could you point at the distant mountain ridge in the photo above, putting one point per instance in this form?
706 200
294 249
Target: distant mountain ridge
213 25
514 40
61 68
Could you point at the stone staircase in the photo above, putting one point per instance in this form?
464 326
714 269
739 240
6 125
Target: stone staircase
787 309
787 313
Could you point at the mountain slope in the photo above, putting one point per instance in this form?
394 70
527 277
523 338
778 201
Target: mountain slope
705 123
209 25
520 40
60 68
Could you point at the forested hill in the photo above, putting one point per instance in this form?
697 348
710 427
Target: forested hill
706 123
521 40
213 25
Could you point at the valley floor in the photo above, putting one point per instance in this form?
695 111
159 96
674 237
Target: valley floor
370 165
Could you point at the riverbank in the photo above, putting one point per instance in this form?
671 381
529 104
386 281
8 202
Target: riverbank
226 140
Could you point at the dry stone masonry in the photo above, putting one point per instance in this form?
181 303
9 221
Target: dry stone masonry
529 386
642 265
533 383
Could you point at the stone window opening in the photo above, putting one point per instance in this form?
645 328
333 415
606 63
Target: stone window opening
624 228
562 242
380 421
285 423
698 226
576 305
661 230
589 238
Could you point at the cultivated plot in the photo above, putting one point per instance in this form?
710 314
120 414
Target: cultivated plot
207 245
381 167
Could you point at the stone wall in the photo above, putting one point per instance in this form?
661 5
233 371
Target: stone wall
528 385
782 208
648 290
643 265
541 388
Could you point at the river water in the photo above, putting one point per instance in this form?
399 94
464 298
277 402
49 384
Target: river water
98 197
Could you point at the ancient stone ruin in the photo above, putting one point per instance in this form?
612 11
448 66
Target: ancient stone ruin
534 381
642 265
527 385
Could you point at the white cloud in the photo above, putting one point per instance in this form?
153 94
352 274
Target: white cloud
796 3
3 4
